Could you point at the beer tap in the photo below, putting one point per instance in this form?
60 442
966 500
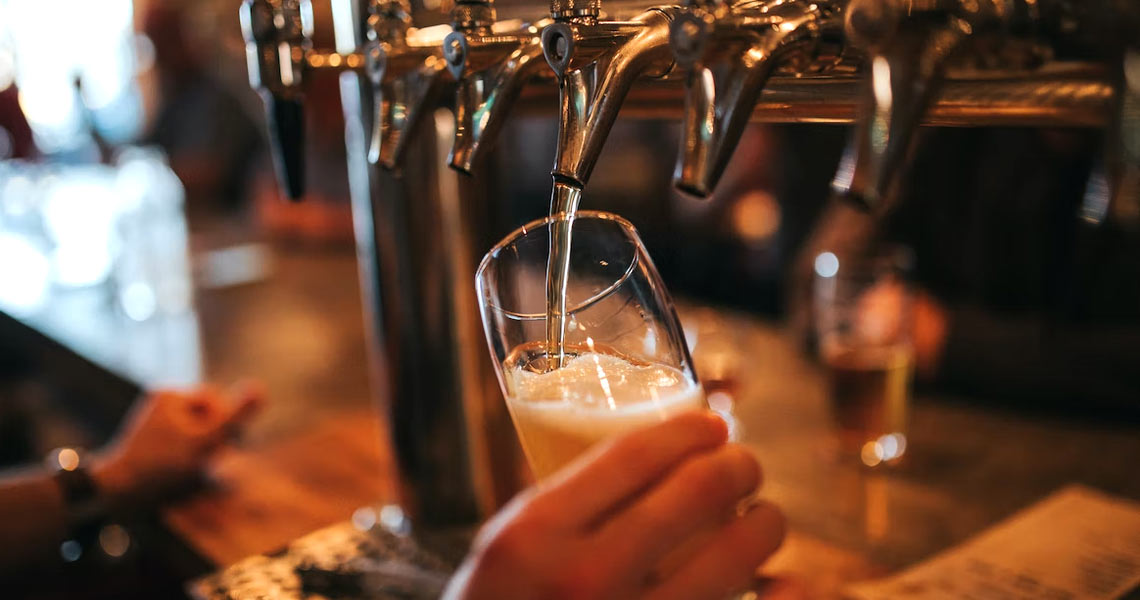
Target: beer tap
906 65
491 62
910 46
597 61
279 53
1113 189
405 65
729 51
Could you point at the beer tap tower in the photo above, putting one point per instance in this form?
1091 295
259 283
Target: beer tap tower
888 66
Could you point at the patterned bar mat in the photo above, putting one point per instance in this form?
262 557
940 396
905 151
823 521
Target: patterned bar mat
338 562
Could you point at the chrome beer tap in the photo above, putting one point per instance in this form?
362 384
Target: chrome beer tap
492 61
729 51
905 66
597 61
406 66
909 45
279 53
1113 190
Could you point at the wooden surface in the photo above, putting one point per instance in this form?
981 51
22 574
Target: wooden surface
967 467
263 499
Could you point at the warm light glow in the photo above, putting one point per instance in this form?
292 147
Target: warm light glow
603 379
881 83
68 459
756 217
114 540
871 454
285 62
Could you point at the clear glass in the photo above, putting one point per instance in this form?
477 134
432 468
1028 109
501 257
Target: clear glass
863 318
628 364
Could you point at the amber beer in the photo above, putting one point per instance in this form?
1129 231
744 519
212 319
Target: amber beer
870 389
596 395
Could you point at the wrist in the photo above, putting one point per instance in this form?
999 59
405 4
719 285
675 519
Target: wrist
113 478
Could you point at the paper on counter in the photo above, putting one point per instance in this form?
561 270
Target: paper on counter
1077 543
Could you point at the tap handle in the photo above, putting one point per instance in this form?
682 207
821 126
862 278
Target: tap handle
906 68
278 33
375 60
1113 189
388 25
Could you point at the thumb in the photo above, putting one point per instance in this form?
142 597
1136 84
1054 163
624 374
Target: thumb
246 400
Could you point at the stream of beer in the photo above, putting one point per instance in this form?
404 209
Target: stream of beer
564 200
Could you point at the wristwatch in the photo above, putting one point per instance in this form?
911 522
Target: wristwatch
85 509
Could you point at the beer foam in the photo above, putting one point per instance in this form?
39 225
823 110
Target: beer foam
593 397
596 381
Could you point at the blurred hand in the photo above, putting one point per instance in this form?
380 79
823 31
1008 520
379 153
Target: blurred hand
170 436
884 316
931 326
657 513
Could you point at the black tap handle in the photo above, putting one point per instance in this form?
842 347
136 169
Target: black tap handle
287 142
278 35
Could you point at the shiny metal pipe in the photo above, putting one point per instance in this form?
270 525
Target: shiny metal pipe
1076 94
419 234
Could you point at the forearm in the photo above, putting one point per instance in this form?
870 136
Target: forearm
34 517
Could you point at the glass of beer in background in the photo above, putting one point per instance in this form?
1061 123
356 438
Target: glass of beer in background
863 319
626 363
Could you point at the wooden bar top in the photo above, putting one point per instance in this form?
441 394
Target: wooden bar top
261 499
967 467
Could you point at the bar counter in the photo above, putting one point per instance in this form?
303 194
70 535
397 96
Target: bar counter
968 465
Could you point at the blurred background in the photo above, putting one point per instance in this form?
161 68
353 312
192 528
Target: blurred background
143 243
141 227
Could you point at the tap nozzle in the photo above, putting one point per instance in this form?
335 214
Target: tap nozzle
491 62
907 56
729 52
597 63
1112 193
404 65
277 36
909 47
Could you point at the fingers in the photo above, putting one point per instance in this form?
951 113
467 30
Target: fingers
698 495
209 412
246 399
729 560
611 473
